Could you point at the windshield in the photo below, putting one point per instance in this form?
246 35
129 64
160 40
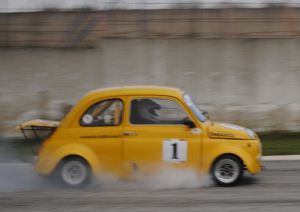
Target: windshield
188 100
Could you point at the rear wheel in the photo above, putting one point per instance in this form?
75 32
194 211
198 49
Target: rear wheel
74 172
227 170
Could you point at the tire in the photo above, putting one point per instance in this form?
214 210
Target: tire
227 170
74 172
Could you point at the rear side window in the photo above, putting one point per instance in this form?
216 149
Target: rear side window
104 113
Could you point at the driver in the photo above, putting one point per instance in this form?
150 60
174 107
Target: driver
147 111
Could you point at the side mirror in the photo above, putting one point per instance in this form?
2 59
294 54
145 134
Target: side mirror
205 113
189 123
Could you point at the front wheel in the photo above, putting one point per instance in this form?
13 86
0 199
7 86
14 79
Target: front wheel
74 172
227 170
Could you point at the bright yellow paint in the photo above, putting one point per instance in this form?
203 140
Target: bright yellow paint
107 150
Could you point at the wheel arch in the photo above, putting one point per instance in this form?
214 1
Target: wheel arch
48 164
223 155
68 157
238 152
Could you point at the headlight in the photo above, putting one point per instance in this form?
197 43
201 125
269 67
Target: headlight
250 133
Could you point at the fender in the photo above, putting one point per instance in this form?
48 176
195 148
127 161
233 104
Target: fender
49 161
250 162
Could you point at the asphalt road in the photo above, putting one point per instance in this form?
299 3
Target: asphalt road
276 189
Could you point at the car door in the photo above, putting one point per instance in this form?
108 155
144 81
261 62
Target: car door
154 135
100 128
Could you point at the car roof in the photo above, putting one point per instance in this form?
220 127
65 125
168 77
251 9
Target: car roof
135 90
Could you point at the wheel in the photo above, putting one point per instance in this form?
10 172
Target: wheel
74 172
227 170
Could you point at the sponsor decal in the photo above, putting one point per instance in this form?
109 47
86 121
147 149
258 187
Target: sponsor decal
222 134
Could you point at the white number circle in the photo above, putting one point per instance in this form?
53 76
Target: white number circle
87 119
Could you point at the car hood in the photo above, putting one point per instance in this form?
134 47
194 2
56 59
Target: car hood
227 131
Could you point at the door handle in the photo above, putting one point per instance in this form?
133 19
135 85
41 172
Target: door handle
129 133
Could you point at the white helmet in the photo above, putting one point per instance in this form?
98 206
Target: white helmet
146 110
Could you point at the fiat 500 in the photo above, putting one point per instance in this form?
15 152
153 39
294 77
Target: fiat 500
129 130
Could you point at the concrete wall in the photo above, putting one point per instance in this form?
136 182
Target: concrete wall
83 29
251 82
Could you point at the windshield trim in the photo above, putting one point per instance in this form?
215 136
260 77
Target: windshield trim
194 108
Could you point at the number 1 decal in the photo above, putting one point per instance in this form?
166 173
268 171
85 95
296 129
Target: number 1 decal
174 150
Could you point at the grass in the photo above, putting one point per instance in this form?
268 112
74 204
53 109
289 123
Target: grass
280 143
274 143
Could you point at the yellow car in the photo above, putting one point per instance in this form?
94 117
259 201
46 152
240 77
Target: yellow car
129 130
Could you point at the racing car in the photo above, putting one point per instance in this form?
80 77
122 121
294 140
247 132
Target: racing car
141 129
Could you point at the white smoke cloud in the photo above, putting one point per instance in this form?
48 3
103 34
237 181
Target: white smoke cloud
167 178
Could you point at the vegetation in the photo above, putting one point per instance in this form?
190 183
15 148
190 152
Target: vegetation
280 143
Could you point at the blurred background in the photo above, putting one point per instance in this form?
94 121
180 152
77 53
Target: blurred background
239 59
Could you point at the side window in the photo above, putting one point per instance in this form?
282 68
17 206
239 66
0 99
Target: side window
156 111
104 113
